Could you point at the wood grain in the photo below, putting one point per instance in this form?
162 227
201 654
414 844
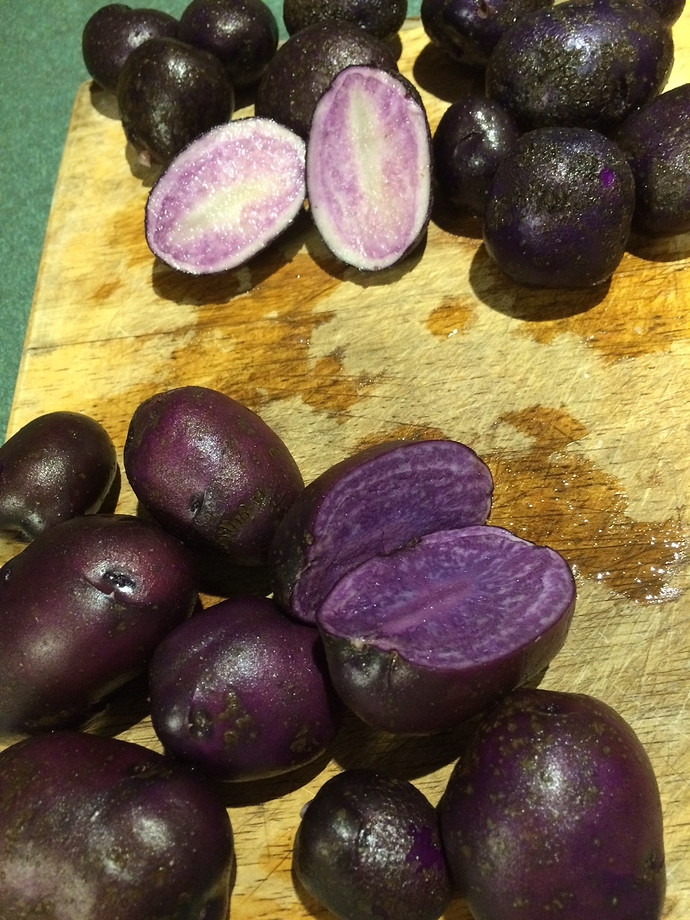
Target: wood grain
577 401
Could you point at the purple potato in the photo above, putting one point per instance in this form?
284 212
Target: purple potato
58 466
368 847
306 64
82 609
421 639
382 18
668 10
243 691
169 93
656 141
257 164
473 135
211 471
113 32
468 30
369 168
373 502
553 810
560 210
585 63
243 34
94 827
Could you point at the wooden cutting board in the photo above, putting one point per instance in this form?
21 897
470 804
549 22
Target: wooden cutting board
576 400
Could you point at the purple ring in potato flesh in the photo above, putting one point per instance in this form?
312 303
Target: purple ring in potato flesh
226 196
419 640
369 167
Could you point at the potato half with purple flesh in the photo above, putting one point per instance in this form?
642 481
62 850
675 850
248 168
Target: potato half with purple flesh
373 502
58 466
211 471
419 640
82 609
369 168
243 691
227 196
553 810
94 827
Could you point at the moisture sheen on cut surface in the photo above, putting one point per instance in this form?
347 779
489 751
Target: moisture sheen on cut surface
369 168
227 196
424 637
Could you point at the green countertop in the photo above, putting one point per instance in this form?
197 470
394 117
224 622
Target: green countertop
40 70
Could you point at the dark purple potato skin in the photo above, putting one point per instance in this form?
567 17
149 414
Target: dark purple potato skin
381 18
94 827
473 135
368 847
420 640
82 609
113 32
211 471
468 30
168 94
243 34
373 502
668 10
560 210
305 65
555 802
656 141
605 59
57 466
243 691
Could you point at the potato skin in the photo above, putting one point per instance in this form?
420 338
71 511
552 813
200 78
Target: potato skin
94 827
57 466
82 608
304 67
553 810
210 471
656 141
605 58
113 32
243 691
368 847
560 210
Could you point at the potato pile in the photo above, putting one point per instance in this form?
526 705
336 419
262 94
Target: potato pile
379 588
552 158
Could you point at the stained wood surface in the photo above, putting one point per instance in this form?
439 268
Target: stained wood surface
576 400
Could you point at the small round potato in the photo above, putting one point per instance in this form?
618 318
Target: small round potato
58 466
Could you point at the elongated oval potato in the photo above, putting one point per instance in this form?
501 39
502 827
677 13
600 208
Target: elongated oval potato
226 196
369 168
